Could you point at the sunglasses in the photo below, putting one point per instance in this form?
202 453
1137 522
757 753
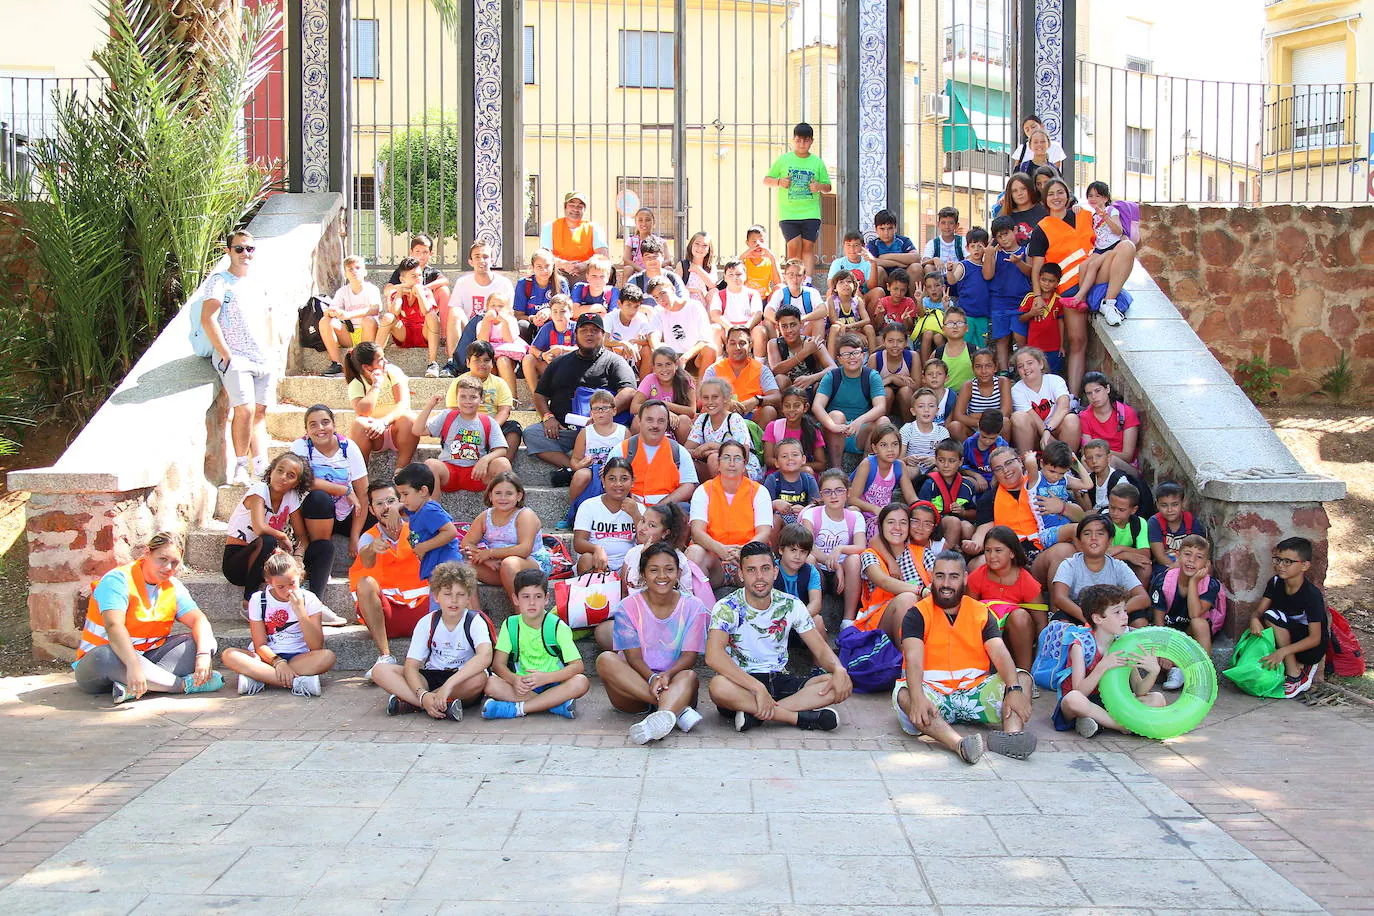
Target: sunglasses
240 249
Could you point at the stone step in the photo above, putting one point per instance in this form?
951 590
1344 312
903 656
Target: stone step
286 422
382 465
410 360
205 548
307 390
549 504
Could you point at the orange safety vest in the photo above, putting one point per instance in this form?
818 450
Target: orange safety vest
875 598
1017 514
748 382
955 656
658 477
397 571
1070 245
573 244
731 521
148 625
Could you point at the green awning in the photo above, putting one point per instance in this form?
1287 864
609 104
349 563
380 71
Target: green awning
979 118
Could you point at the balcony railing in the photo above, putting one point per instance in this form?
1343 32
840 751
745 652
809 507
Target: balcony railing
969 42
1309 117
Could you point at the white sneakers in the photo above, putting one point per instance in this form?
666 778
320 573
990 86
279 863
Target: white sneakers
1111 313
330 619
248 686
655 726
381 660
1174 681
305 685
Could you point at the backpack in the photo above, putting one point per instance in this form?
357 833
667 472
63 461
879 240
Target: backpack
1344 655
819 520
1146 507
310 448
559 557
468 616
308 318
1129 211
803 592
1052 652
873 662
548 631
1164 525
200 341
837 378
948 497
1216 616
453 418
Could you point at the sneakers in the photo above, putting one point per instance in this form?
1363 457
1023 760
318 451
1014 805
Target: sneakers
501 709
387 659
1175 679
248 686
688 719
214 682
305 685
432 370
654 727
119 693
242 476
1111 313
818 720
446 371
563 525
971 748
567 709
1085 726
455 710
744 721
1016 745
1294 687
560 477
333 370
395 706
330 619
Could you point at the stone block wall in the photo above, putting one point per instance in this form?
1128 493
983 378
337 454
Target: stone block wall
1291 284
150 457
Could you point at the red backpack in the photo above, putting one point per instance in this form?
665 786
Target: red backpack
1344 656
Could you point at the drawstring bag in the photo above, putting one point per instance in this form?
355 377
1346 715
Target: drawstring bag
1248 674
871 659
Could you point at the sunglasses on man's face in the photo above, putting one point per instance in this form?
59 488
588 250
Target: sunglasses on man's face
240 249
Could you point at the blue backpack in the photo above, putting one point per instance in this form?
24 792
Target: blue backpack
1051 663
873 662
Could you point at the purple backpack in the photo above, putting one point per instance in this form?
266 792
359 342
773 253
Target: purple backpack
1129 211
873 662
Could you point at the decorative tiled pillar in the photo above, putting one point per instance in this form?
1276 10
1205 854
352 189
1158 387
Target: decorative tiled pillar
487 127
314 82
873 102
1048 65
870 49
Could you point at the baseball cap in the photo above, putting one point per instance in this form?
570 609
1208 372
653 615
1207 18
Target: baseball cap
593 320
575 195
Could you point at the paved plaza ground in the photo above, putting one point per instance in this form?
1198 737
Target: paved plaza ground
276 803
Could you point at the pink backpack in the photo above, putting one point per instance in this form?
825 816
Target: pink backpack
1217 615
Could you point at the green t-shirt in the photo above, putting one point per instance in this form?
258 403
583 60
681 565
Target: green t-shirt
798 201
533 656
1121 537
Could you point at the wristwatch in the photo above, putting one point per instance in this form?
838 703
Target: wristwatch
1014 687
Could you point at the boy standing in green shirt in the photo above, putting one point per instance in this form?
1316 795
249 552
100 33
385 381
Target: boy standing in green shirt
801 179
1130 537
537 666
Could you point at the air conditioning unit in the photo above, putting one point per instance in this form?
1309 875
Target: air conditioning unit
935 105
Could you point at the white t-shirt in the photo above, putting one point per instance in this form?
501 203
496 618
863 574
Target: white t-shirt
921 445
735 427
1052 388
643 323
684 328
763 505
239 315
629 571
366 301
241 520
805 303
1023 153
284 635
345 466
450 649
942 250
830 534
599 448
472 296
740 307
613 532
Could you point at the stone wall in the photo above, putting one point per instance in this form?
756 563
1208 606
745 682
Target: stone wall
150 457
1294 285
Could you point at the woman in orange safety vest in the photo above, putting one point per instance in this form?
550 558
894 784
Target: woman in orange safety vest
728 512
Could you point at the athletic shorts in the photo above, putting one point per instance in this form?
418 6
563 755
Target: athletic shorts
977 334
1049 537
400 618
245 386
1005 323
780 684
512 427
461 478
807 229
1311 656
1108 248
981 703
1056 360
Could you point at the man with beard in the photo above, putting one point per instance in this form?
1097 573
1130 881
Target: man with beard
950 646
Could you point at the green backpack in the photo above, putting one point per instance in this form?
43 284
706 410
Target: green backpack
1248 674
548 630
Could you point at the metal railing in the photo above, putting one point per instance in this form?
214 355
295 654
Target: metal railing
28 115
1164 139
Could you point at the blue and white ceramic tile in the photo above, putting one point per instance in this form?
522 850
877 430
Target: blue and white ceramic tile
487 124
1049 64
872 109
315 94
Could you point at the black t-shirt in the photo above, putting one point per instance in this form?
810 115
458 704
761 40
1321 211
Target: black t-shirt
1294 612
570 371
427 276
1027 220
914 626
1039 244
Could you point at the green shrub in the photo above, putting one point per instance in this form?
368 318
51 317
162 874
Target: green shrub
419 169
1338 380
1259 380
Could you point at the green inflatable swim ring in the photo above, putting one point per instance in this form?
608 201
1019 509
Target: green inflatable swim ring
1194 701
